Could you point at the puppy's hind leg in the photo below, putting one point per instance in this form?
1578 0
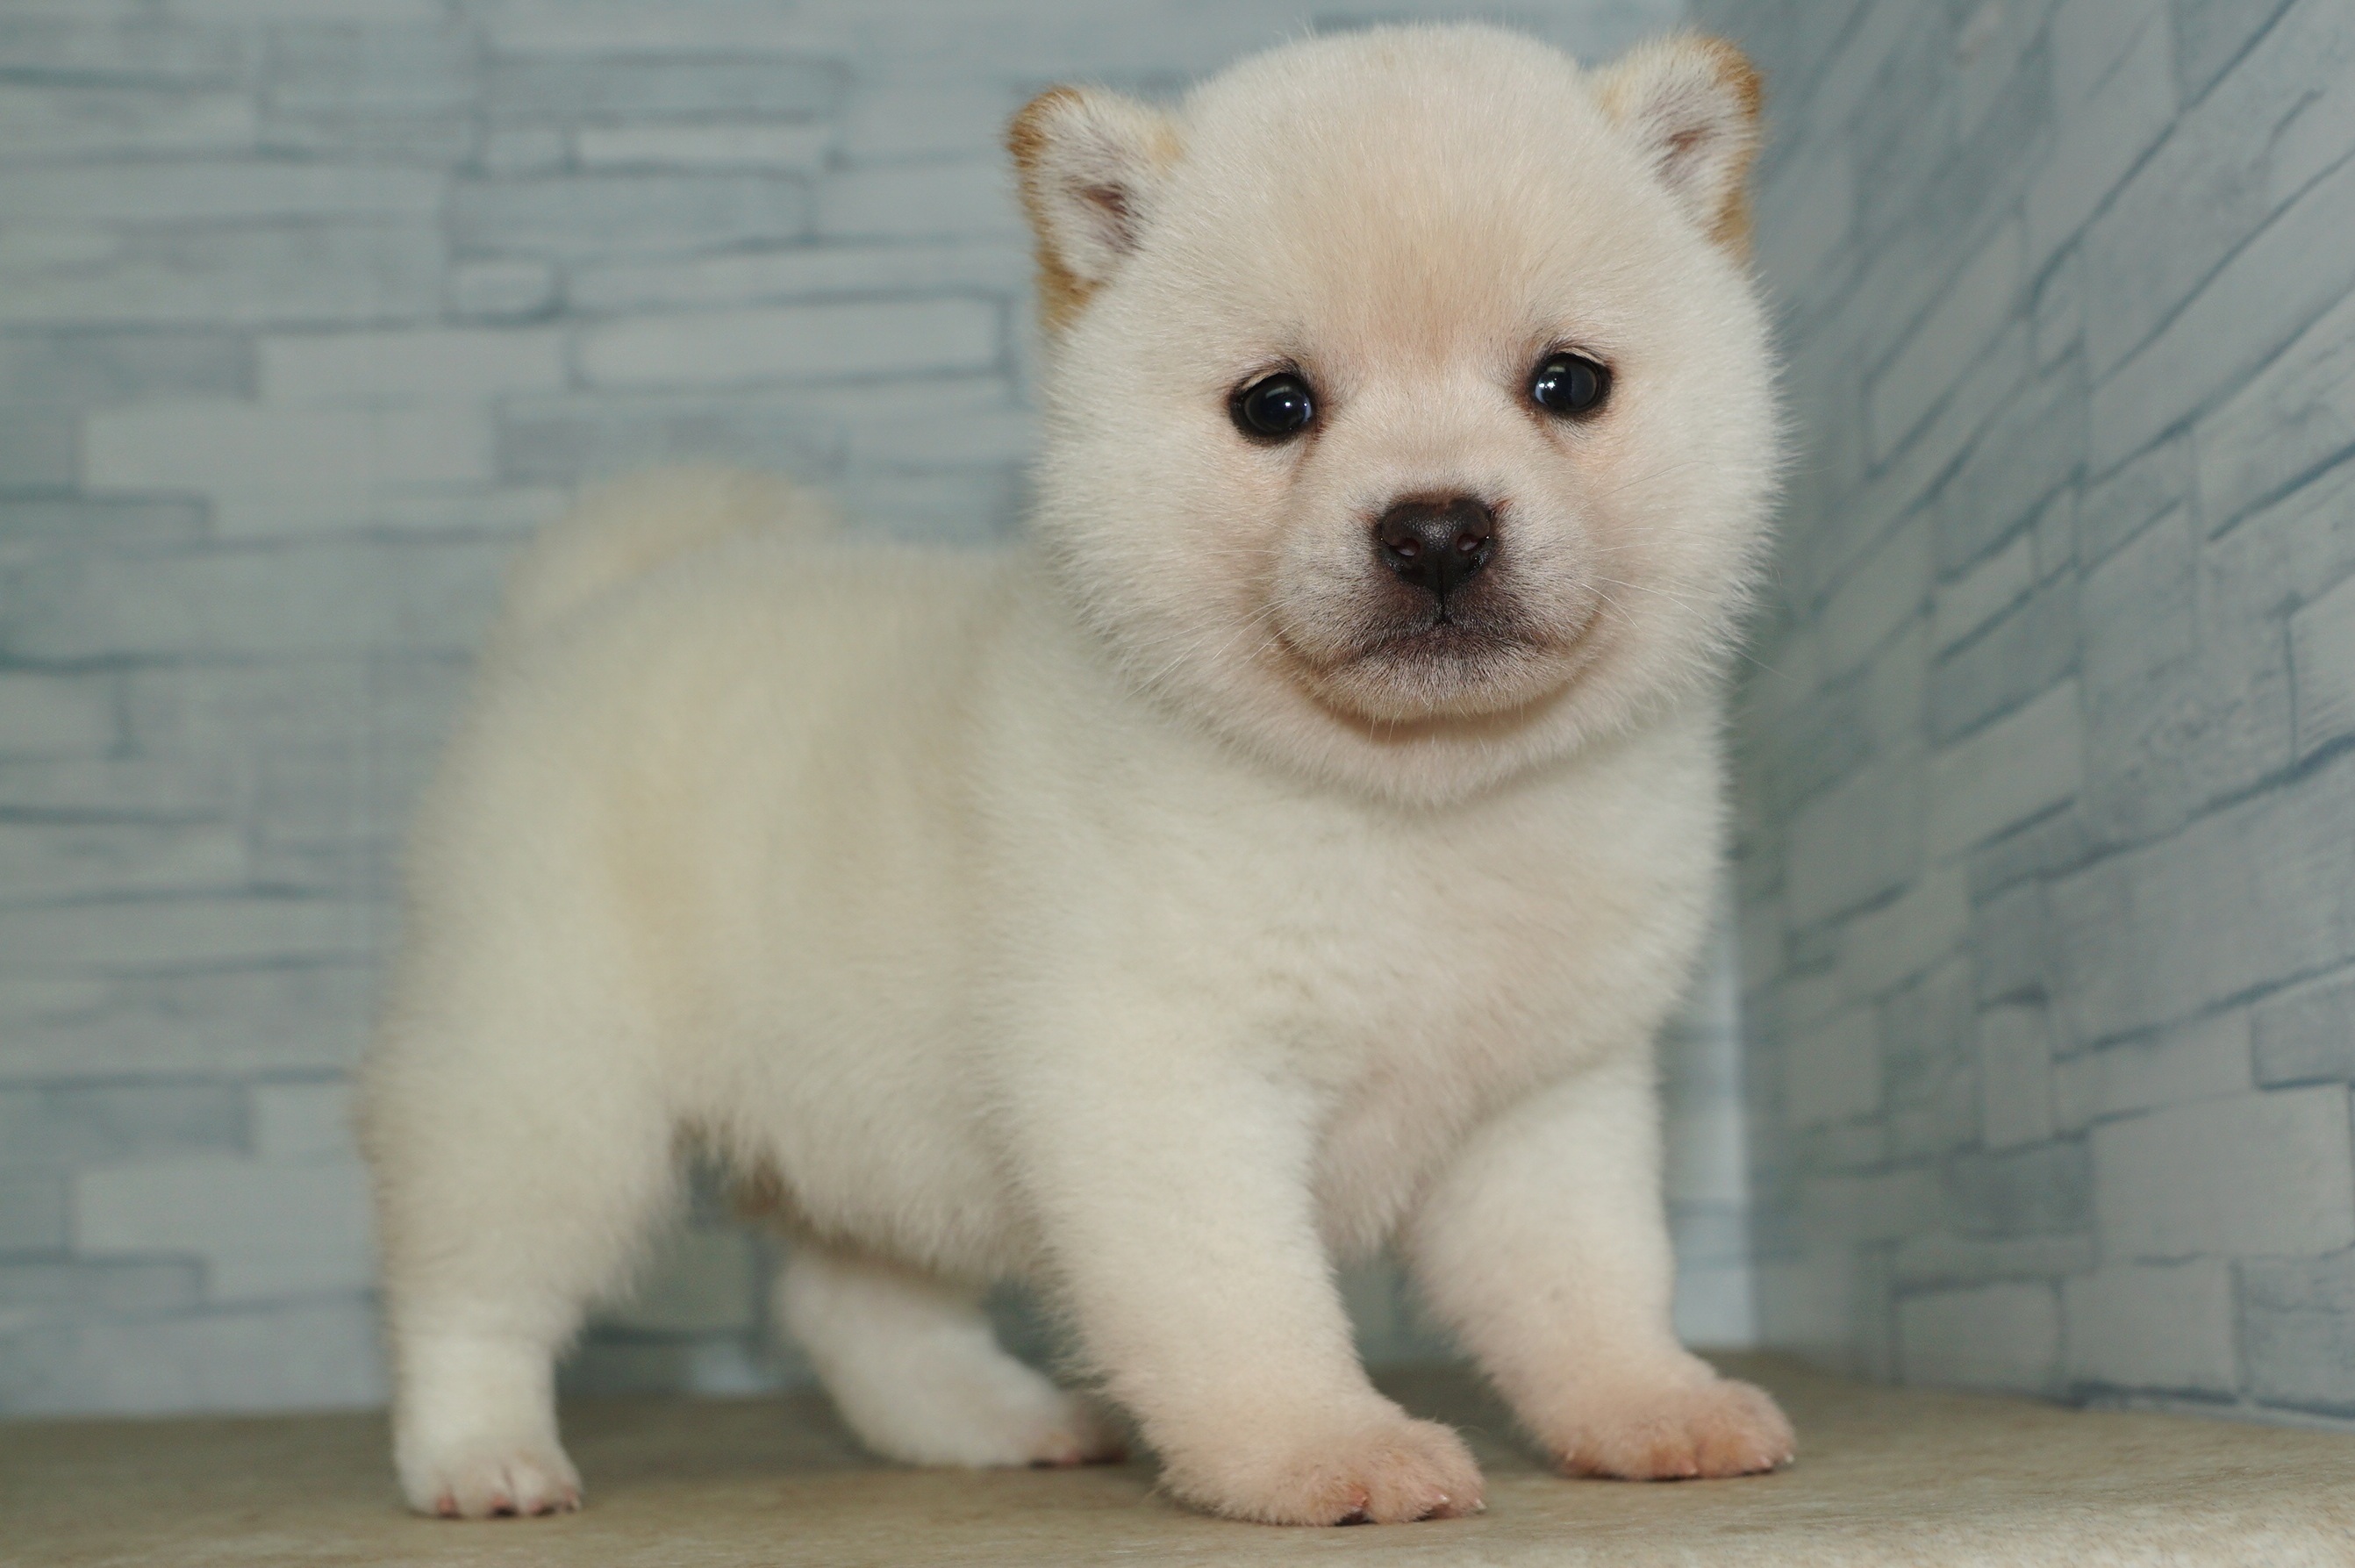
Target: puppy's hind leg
916 1372
516 1172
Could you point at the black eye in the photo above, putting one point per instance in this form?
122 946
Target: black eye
1570 384
1273 408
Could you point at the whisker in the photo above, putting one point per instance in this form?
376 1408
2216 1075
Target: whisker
1739 652
1224 639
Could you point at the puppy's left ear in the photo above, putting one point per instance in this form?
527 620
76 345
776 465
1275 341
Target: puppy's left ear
1092 165
1690 102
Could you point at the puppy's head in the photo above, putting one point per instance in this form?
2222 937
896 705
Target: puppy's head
1409 412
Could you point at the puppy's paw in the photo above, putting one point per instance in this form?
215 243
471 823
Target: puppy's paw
987 1412
493 1480
1674 1430
1073 1432
1386 1470
1004 1424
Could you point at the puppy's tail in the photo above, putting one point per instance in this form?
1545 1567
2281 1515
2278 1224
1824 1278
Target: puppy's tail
622 530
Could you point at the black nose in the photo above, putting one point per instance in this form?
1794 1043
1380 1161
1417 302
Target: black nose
1437 545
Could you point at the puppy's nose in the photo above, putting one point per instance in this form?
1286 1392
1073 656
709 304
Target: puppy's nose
1437 545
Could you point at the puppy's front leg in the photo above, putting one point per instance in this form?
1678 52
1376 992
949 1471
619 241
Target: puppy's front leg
1173 1187
1545 1247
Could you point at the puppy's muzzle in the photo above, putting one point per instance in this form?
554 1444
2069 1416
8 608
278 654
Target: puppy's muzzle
1436 544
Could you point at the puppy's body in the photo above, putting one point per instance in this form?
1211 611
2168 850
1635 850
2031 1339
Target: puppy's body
1155 914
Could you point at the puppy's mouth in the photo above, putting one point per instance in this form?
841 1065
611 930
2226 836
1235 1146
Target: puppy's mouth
1444 635
1467 634
1459 659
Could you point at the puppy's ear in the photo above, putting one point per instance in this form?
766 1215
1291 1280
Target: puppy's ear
1691 102
1092 163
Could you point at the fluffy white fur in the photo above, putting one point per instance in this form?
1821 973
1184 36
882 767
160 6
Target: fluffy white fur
1155 911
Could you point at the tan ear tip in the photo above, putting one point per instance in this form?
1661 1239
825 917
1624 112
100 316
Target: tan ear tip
1736 70
1026 134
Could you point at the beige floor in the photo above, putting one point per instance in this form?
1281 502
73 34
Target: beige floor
1884 1476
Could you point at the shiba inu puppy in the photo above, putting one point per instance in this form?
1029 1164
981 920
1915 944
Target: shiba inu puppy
1288 850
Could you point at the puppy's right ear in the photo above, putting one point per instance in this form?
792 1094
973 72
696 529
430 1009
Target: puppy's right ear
1092 164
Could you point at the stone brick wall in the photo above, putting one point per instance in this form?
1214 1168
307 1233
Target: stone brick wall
2048 849
308 310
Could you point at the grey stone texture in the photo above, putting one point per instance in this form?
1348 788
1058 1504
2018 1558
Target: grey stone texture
2065 286
309 311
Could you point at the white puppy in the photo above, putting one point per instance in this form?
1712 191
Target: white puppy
1290 849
